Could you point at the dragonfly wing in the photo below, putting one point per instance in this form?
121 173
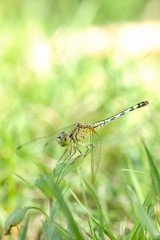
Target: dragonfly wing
95 155
37 145
43 144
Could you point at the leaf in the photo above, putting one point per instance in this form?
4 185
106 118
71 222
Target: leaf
62 169
45 184
17 216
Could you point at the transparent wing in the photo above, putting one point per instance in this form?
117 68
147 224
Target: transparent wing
46 144
37 145
95 155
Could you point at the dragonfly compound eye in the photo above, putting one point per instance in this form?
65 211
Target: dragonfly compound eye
63 139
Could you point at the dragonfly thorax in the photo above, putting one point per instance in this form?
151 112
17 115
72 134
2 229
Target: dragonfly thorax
63 139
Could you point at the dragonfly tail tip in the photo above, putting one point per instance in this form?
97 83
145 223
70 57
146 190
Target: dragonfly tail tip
147 102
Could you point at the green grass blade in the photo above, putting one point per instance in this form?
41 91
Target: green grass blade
106 230
52 231
143 217
91 218
135 182
153 170
137 225
23 233
29 185
71 222
55 230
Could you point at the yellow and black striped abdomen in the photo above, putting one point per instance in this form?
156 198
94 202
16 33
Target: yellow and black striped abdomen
102 123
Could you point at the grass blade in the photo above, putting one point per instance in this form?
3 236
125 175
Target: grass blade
23 233
153 170
72 224
137 225
143 216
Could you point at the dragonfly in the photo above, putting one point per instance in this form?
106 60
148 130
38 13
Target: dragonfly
75 137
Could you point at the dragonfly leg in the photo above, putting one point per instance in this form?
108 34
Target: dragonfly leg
80 155
72 154
89 147
77 157
72 151
63 154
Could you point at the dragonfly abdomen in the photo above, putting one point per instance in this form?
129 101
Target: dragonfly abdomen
102 123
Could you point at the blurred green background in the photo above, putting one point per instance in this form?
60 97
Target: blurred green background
64 62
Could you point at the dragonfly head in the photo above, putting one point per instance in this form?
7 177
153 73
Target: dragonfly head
63 139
